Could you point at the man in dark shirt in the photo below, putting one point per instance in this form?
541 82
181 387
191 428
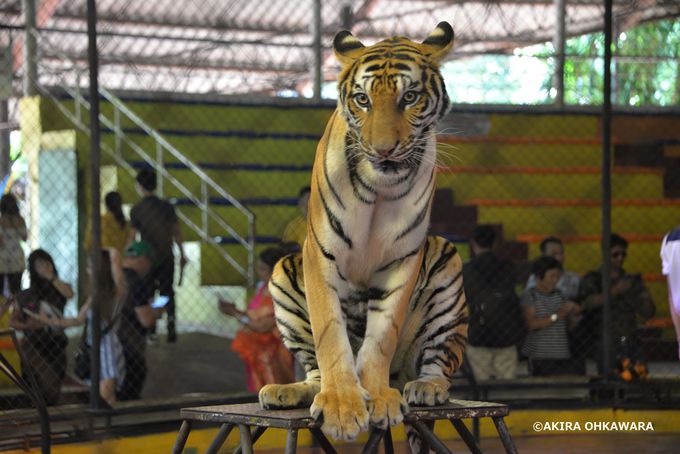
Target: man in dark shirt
495 324
156 222
631 304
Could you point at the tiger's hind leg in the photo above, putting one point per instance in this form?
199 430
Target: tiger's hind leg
437 326
292 320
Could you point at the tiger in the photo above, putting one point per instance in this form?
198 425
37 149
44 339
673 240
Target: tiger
373 307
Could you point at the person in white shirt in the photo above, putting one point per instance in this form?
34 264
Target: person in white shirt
670 261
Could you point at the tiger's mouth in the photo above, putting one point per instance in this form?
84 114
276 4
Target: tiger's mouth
387 164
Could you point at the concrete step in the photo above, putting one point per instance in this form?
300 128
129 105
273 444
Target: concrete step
544 125
529 182
560 217
248 180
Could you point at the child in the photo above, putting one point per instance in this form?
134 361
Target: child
548 316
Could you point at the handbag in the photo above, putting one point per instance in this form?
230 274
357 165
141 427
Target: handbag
81 363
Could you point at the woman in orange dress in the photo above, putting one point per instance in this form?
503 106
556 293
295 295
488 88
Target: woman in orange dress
258 343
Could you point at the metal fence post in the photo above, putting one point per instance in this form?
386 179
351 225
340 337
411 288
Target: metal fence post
606 192
95 255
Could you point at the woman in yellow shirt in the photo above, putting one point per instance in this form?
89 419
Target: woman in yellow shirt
115 227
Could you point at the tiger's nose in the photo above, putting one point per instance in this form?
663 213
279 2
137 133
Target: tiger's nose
385 152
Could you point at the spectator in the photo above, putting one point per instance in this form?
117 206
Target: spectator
12 232
156 221
296 230
115 229
630 300
43 346
109 296
569 281
137 317
548 315
290 247
496 325
259 344
670 258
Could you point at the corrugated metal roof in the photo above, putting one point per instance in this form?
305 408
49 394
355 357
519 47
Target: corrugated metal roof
263 46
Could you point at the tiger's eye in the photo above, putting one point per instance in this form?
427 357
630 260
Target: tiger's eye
362 99
410 97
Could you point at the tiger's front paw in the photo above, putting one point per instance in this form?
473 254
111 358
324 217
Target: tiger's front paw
426 393
292 395
344 412
387 408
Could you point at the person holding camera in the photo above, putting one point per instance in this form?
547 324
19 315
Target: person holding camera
109 295
43 346
259 343
631 305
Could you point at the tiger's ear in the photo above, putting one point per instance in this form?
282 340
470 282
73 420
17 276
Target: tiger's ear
440 41
347 48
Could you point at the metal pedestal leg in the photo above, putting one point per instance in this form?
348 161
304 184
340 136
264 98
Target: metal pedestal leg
182 437
291 441
427 435
257 433
218 441
373 442
466 436
246 439
323 441
504 433
389 447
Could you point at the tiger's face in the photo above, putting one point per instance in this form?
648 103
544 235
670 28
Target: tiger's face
391 95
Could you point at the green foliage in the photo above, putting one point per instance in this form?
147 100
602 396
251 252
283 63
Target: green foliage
644 70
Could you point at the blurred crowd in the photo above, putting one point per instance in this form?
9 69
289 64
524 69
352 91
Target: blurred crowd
555 323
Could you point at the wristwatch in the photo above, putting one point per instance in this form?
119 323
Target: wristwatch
553 318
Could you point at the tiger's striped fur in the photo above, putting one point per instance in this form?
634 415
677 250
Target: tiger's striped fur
372 301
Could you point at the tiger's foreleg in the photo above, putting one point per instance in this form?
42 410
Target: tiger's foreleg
390 294
341 399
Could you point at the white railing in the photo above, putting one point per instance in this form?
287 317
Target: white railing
163 148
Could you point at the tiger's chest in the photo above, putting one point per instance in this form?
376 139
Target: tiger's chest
381 232
368 218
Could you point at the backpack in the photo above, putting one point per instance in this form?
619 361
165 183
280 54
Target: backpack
495 315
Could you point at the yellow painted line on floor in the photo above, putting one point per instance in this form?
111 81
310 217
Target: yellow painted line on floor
519 422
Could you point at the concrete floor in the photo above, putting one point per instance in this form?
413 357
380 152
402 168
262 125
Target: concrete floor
572 444
201 362
195 363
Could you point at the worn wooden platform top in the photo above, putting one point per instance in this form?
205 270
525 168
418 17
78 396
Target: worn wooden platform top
253 415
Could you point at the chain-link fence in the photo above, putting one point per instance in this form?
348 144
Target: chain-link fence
205 161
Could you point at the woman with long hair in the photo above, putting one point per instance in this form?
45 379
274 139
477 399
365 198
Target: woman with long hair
12 232
115 228
43 346
109 295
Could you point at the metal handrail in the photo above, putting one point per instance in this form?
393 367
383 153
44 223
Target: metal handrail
158 164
